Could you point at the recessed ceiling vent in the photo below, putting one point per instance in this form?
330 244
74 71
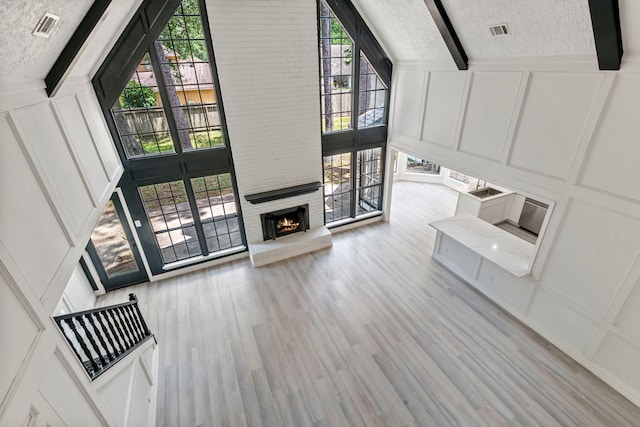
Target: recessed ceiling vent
45 25
499 30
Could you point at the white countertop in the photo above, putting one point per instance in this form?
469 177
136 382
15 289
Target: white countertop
503 249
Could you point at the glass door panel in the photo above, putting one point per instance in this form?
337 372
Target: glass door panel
171 219
113 250
369 180
337 187
190 218
217 209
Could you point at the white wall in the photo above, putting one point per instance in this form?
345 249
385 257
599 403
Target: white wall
78 294
563 132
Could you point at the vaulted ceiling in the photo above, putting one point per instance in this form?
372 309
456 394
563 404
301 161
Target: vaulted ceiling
538 27
404 27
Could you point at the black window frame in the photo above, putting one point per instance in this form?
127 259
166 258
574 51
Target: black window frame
136 40
355 139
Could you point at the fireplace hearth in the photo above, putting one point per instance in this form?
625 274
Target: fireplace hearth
286 221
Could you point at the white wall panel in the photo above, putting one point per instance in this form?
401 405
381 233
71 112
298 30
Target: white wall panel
490 107
621 358
82 142
29 229
78 294
465 258
612 161
501 286
552 121
63 394
443 106
592 253
48 146
140 398
115 392
98 127
629 316
560 322
17 333
41 414
409 94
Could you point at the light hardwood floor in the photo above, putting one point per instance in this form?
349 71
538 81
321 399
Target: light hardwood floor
370 332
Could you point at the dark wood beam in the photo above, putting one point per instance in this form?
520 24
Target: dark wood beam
448 33
69 54
605 19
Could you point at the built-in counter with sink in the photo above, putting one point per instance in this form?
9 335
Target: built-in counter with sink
486 245
490 259
488 203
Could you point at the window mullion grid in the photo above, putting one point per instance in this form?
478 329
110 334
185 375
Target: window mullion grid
173 244
355 86
166 104
353 184
195 212
224 213
203 106
214 78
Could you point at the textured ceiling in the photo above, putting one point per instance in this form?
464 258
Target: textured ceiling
404 27
538 27
630 24
27 57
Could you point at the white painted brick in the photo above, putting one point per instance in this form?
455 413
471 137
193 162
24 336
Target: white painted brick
267 58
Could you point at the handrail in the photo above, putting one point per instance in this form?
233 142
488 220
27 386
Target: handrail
103 336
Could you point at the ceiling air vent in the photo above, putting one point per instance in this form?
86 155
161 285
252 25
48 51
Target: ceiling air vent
45 25
499 30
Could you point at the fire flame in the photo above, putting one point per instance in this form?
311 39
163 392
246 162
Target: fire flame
287 224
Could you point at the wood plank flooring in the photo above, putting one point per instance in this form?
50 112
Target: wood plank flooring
371 332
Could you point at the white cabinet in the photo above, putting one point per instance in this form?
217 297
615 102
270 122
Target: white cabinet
493 209
462 259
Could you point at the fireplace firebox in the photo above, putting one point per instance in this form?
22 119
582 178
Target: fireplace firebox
286 221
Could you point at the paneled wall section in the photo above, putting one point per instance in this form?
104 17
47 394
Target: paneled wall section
58 168
563 136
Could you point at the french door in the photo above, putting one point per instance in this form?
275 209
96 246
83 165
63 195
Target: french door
186 220
113 249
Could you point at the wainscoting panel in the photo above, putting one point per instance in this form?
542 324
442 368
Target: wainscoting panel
82 142
104 143
71 406
443 107
490 107
629 316
29 228
552 122
611 164
17 334
409 96
113 392
592 253
47 146
559 322
620 357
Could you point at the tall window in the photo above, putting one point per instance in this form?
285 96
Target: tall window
179 86
167 117
354 95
